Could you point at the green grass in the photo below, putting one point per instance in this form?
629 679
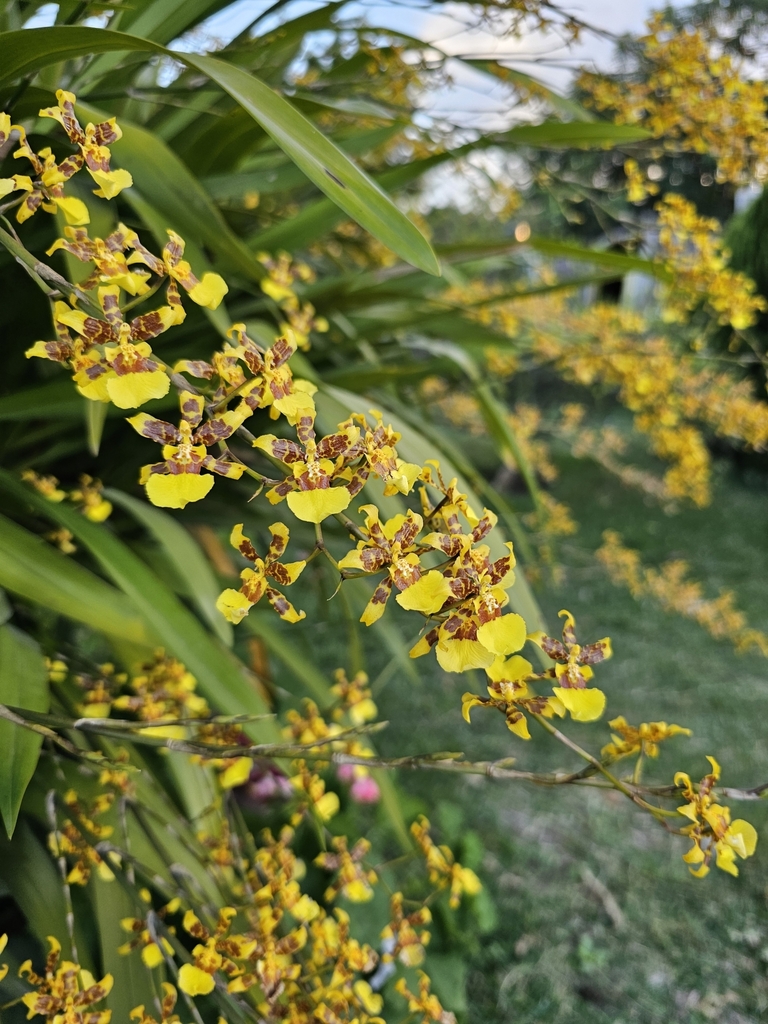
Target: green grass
688 950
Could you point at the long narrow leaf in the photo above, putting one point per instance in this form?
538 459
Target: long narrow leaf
221 677
23 684
184 553
335 174
39 573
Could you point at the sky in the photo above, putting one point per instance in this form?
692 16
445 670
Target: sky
539 54
472 100
552 59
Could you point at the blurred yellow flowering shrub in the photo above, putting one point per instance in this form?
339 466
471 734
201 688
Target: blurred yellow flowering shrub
693 96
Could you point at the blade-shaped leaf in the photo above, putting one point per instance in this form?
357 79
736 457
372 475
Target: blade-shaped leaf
56 399
335 174
579 134
40 573
95 415
563 105
186 556
221 677
271 172
354 105
132 982
23 684
611 260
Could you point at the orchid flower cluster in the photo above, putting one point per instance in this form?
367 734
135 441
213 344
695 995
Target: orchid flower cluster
693 95
270 946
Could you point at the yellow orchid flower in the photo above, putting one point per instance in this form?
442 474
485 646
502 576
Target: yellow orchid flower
65 991
93 142
111 359
573 670
207 292
179 478
308 490
711 830
645 738
234 605
108 256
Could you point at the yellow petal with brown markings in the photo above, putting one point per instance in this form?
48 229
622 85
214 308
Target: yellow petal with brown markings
178 490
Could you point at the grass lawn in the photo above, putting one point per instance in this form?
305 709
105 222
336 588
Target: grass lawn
598 919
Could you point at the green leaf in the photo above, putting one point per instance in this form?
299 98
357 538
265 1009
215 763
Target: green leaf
271 172
23 684
314 220
133 985
222 679
353 105
56 399
612 260
40 573
277 177
185 554
363 376
164 182
165 20
497 422
577 134
95 415
292 653
335 174
563 105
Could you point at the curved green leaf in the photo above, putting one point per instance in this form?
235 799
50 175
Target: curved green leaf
40 573
221 677
95 416
168 187
333 173
25 51
612 260
564 106
23 684
579 134
56 399
187 558
132 982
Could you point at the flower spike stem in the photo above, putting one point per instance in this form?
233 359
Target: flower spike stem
41 273
50 806
658 812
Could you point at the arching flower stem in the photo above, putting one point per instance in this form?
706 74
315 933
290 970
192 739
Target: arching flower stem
657 812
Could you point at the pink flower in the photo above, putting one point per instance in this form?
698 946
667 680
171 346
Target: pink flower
365 790
266 784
